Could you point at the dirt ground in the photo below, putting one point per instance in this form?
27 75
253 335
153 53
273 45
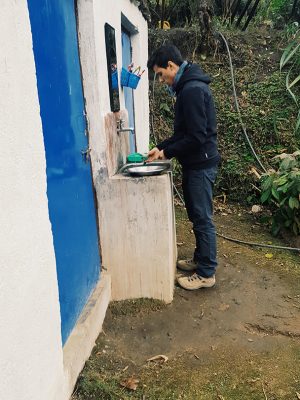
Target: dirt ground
238 340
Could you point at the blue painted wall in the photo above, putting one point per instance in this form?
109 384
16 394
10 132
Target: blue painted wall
69 182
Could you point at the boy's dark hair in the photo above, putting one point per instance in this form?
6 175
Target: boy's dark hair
163 54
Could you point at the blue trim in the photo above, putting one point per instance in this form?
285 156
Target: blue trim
69 182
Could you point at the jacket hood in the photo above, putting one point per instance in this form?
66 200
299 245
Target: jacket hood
192 73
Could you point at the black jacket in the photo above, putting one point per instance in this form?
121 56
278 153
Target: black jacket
194 142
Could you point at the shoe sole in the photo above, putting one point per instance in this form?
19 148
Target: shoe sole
191 289
201 287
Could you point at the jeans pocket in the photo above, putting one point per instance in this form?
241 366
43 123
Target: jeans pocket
211 174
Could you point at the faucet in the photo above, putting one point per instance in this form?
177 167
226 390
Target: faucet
125 130
121 129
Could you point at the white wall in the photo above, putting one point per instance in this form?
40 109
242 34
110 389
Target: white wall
112 16
31 361
141 261
138 236
33 365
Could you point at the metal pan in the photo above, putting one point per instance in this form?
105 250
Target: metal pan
146 170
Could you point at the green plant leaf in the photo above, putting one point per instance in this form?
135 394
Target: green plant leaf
298 122
288 223
288 53
285 188
289 212
275 194
295 228
164 107
265 196
288 88
293 203
283 201
294 81
281 180
267 181
287 163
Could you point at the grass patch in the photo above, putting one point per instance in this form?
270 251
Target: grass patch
135 307
226 376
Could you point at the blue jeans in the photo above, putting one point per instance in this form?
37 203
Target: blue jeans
197 188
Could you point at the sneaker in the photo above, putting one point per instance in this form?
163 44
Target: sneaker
195 281
180 273
187 265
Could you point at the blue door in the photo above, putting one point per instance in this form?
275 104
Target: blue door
69 182
128 93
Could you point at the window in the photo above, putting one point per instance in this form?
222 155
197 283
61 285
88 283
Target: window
112 68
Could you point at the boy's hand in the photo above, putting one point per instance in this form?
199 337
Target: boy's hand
156 154
162 155
153 155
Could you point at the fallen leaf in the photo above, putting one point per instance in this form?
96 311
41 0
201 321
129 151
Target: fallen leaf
269 255
250 340
253 380
159 357
130 383
298 395
125 368
223 307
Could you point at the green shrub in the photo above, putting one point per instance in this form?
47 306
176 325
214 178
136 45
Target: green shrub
291 57
281 189
278 11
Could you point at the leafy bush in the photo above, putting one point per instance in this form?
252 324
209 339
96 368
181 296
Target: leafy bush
291 57
268 110
281 189
279 11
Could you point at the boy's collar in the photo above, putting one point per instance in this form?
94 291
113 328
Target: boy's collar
172 89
